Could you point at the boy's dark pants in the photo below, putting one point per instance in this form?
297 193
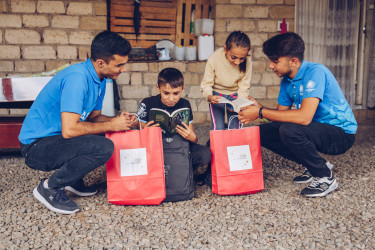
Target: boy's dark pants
302 143
71 158
201 155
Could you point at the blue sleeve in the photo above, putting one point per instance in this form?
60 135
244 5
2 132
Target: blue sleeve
143 111
284 99
99 102
73 92
314 83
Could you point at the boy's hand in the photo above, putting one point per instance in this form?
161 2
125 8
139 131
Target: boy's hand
256 104
186 132
248 114
214 99
151 124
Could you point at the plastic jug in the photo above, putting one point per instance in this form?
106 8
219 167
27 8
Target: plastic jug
205 47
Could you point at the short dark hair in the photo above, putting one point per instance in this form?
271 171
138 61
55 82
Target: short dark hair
171 76
238 39
107 44
287 44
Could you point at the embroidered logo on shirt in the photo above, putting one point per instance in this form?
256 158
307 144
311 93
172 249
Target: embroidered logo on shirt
310 86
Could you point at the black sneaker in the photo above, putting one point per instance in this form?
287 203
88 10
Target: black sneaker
320 187
306 177
80 189
55 199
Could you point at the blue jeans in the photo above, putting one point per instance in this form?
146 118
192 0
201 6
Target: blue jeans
302 144
71 158
217 112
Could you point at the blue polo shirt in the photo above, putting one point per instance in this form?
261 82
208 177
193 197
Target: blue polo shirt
315 80
76 89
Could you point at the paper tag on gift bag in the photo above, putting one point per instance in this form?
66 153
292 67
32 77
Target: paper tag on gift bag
133 162
239 158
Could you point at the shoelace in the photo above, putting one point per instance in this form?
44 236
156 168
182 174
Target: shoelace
61 195
314 182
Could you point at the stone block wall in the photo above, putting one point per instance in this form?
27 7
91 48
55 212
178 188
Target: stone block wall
41 35
38 36
259 20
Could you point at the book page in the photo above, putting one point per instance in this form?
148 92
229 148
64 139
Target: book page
182 116
240 103
160 116
237 104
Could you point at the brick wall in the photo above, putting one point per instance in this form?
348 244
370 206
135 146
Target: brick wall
37 36
258 19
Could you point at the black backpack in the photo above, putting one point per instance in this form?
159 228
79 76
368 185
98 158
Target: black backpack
178 168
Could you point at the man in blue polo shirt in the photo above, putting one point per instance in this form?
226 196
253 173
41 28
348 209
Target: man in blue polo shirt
60 132
321 120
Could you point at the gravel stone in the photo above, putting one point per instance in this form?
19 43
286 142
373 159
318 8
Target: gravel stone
275 218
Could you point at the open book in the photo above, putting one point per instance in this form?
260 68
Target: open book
167 121
237 104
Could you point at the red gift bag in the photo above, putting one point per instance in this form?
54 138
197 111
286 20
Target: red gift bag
135 172
236 161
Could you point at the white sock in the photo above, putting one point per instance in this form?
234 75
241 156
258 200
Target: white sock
45 184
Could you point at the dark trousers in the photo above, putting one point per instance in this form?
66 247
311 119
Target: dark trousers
201 155
71 158
301 143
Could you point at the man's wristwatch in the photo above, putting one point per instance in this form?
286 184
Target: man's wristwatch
260 113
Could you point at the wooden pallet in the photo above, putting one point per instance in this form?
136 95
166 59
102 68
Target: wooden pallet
160 19
185 8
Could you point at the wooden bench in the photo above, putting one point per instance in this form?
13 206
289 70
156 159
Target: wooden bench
17 93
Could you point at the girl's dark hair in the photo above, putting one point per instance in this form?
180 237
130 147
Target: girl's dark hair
171 76
288 44
238 39
107 44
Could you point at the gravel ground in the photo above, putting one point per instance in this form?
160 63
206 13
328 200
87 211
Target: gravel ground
276 218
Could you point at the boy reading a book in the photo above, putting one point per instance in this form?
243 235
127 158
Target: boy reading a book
170 86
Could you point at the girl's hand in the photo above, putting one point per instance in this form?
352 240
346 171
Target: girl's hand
214 99
186 132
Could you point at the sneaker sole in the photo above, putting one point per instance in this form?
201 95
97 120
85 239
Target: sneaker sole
76 192
329 190
40 198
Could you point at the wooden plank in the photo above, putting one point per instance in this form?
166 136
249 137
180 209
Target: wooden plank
148 3
145 30
188 6
198 10
171 15
142 43
145 23
179 22
121 8
154 37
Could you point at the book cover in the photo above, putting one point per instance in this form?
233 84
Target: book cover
237 104
167 121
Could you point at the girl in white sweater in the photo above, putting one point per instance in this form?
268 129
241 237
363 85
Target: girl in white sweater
227 74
